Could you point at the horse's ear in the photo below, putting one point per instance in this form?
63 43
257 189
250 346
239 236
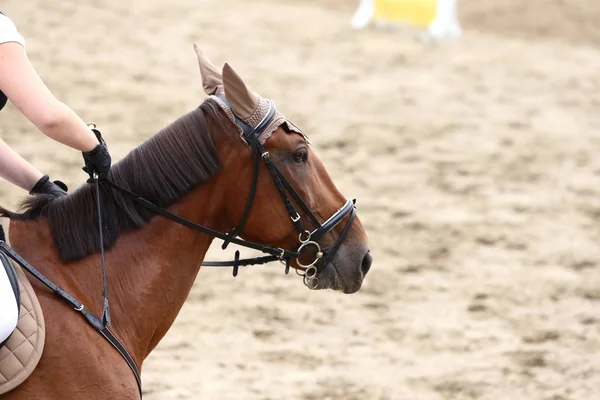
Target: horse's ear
212 81
243 101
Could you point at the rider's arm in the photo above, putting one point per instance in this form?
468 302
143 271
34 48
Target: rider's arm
22 85
15 169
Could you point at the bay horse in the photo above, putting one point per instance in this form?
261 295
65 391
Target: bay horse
199 168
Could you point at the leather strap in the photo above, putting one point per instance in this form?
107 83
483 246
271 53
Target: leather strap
112 339
237 230
92 319
280 253
73 302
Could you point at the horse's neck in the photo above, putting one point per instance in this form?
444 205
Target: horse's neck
161 264
150 270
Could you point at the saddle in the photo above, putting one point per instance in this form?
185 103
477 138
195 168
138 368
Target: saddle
22 351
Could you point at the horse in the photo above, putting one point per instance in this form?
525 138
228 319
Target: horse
200 169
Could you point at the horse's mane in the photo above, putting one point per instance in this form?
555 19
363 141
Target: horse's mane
162 170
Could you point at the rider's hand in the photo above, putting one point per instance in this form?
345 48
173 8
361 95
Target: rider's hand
45 186
97 160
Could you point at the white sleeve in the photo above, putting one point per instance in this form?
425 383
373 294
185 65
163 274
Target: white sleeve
8 31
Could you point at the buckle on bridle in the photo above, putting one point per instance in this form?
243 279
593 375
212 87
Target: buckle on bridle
295 218
282 255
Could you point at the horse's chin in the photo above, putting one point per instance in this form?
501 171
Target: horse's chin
345 273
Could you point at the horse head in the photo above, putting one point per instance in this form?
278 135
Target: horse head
288 200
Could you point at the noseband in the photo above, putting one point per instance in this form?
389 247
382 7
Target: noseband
308 240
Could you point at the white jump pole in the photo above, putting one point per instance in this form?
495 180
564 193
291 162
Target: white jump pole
445 25
364 14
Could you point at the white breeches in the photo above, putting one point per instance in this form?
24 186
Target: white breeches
9 311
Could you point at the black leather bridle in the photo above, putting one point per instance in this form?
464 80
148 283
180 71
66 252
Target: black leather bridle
307 238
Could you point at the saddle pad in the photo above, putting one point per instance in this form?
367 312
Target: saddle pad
23 350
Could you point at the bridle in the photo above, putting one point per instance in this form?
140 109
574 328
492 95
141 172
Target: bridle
306 238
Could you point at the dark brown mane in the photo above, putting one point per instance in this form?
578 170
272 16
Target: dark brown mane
162 169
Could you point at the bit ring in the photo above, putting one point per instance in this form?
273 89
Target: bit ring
317 258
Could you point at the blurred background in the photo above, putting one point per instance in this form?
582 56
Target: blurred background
474 161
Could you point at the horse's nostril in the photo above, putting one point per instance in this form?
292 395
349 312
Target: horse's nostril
366 263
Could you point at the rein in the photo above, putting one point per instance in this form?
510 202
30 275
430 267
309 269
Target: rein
276 254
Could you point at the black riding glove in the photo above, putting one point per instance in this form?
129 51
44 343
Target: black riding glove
97 160
45 186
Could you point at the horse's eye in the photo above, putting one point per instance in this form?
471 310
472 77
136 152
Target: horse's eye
300 156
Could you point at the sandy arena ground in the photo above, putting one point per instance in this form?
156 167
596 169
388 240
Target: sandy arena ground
475 164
